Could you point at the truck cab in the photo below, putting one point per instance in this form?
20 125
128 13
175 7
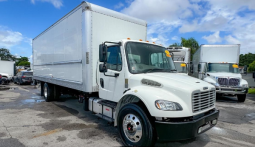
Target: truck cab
218 65
141 78
181 58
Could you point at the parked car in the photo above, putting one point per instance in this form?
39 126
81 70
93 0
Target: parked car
6 78
23 77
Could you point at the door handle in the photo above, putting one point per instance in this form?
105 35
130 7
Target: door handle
102 82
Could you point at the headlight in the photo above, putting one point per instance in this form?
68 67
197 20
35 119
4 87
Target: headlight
167 105
245 85
151 83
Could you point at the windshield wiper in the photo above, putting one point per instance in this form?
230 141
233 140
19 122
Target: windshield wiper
150 70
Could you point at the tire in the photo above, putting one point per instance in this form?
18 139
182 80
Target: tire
20 83
241 97
133 120
48 92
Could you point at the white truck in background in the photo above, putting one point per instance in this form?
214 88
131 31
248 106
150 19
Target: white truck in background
102 57
7 70
181 57
218 65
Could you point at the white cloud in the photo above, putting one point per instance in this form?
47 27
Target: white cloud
218 16
175 38
213 38
30 58
55 3
232 40
163 16
119 5
9 38
159 9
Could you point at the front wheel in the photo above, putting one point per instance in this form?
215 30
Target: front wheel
135 127
241 97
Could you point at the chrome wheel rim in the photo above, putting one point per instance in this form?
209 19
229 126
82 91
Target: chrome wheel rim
132 128
45 92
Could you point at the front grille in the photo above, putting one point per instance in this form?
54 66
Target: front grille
223 81
228 81
203 100
233 82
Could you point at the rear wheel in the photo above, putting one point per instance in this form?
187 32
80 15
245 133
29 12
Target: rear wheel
48 92
241 97
135 127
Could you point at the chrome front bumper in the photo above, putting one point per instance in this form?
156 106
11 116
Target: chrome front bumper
232 90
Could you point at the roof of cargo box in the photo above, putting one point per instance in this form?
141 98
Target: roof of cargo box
102 10
220 53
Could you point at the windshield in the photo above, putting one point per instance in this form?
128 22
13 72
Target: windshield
222 67
144 58
179 68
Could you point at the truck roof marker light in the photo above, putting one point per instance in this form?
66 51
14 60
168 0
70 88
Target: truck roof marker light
147 41
153 42
140 40
128 38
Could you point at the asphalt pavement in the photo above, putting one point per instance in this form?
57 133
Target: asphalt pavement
27 120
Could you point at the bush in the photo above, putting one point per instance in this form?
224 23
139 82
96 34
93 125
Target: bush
251 91
251 66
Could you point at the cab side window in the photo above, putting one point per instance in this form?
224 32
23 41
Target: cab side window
114 60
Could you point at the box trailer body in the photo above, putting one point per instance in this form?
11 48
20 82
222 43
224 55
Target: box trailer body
218 65
7 69
71 44
181 55
102 57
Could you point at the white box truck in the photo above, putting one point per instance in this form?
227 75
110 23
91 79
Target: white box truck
7 70
181 58
102 57
218 65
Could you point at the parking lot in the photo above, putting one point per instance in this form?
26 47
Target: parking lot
27 120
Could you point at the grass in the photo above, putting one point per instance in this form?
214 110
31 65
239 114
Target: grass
251 91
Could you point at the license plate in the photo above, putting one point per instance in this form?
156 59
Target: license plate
205 127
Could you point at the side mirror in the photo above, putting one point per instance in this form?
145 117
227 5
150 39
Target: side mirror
102 53
102 68
191 68
199 68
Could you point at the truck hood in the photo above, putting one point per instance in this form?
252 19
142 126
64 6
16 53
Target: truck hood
5 74
174 81
225 74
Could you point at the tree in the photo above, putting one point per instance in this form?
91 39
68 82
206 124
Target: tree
246 59
251 66
22 59
24 63
189 43
6 55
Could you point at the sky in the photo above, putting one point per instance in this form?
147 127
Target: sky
208 21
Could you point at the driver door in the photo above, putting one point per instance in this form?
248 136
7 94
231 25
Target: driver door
111 83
